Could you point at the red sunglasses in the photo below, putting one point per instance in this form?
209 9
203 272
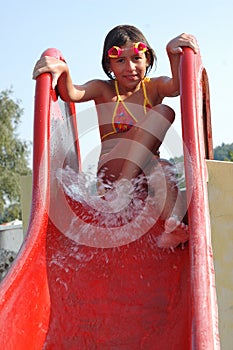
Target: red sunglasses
116 51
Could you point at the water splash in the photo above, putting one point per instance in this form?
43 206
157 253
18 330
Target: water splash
114 214
122 213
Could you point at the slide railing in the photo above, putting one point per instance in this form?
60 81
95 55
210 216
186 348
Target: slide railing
197 139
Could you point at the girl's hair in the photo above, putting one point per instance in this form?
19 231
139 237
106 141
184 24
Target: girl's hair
120 36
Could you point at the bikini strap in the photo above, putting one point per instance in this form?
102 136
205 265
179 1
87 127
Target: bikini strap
114 111
117 91
146 103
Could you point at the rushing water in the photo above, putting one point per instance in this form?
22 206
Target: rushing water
107 214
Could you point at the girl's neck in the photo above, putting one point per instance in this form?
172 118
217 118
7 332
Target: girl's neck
124 91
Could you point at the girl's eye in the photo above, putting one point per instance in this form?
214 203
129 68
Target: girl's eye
120 60
133 58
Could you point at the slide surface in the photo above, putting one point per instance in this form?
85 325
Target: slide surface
73 285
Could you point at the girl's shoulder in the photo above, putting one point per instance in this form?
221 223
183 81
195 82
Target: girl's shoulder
99 83
95 89
154 89
102 89
153 84
156 81
159 84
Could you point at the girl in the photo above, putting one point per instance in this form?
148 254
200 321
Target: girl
132 119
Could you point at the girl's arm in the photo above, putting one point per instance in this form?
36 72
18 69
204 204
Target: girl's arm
169 87
62 78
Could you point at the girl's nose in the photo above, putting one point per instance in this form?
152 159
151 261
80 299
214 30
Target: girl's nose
130 65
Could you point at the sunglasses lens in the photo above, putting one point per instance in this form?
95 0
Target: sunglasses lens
114 52
142 47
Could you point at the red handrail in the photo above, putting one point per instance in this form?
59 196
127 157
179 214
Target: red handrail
203 300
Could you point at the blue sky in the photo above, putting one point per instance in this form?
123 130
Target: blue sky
78 29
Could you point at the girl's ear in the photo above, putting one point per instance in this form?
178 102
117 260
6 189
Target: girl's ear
108 66
148 59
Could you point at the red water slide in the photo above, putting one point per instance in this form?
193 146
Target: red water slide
63 292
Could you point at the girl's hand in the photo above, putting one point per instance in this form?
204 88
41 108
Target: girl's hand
51 65
175 45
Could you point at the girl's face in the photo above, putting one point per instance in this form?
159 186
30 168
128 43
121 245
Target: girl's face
130 67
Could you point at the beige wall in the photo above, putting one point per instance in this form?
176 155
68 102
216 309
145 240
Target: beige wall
220 188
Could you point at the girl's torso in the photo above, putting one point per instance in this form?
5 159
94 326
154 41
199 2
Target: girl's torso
118 113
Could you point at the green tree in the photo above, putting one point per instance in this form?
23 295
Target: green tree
229 156
223 152
14 155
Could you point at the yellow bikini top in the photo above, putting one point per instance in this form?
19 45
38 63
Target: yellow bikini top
123 119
